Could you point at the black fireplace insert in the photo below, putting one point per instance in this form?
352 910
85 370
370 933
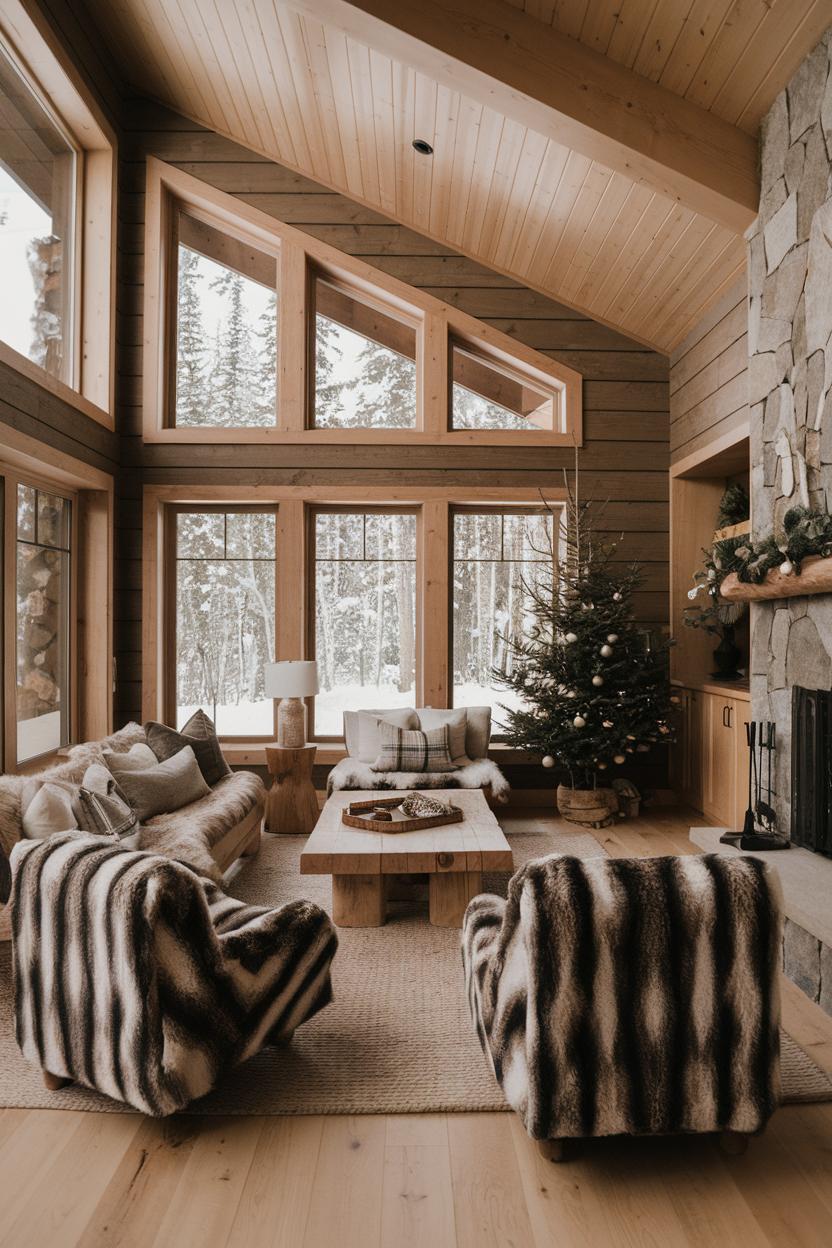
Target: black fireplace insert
812 769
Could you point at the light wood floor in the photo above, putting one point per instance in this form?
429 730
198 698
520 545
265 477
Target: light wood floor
443 1181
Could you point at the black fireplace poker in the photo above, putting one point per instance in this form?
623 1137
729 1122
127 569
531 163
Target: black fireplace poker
759 830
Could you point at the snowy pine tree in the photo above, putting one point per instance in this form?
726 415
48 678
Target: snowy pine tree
190 350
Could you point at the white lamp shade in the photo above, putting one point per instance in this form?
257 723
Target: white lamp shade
291 680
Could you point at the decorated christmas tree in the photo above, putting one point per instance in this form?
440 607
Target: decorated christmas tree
595 685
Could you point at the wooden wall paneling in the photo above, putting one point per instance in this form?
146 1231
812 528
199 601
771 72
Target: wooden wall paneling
94 562
294 364
625 395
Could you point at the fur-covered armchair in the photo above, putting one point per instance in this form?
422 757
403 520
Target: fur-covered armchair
630 996
138 978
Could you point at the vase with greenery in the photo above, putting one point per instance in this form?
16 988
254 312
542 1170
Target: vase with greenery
594 685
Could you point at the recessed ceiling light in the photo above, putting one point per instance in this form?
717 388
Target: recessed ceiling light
422 147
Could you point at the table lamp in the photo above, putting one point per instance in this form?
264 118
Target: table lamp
291 682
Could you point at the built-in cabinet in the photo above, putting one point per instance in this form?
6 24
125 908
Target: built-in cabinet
710 758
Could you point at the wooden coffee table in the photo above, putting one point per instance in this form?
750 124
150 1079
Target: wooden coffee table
361 863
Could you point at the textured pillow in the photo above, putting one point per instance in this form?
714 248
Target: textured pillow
457 721
478 732
403 750
49 811
369 737
200 735
100 806
168 786
138 758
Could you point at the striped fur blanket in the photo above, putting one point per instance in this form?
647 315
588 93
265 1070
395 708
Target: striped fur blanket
137 978
630 996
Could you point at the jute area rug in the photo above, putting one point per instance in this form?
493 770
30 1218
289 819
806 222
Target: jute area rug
396 1040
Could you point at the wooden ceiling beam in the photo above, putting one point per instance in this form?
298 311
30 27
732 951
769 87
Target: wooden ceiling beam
488 50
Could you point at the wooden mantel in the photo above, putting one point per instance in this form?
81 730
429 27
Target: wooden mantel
815 578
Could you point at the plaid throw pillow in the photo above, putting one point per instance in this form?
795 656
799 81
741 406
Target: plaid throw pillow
405 750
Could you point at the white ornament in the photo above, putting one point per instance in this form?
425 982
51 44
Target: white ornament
579 721
602 766
570 693
606 652
612 638
787 568
616 597
548 761
619 758
608 723
570 638
598 681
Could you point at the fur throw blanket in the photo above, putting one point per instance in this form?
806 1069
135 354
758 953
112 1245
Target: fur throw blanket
351 773
137 978
630 996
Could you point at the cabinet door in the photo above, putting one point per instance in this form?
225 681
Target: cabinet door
721 760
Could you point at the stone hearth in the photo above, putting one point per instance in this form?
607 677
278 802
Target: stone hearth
790 383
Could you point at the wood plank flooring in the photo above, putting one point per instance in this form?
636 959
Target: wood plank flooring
74 1180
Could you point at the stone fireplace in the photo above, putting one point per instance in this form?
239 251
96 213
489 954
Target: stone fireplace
790 386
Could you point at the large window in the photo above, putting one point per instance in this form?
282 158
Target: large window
365 369
364 612
224 615
38 177
226 330
487 394
43 572
497 555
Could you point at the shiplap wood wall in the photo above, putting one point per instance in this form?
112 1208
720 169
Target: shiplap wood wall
709 377
626 396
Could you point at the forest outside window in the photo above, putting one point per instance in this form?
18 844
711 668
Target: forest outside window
364 612
497 555
365 363
38 213
225 370
487 394
223 609
43 597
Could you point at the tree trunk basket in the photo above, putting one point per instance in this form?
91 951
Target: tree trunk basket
595 808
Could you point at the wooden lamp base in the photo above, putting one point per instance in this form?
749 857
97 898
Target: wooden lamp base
291 723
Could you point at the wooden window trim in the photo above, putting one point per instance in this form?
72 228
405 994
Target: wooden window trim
55 78
169 598
299 254
294 614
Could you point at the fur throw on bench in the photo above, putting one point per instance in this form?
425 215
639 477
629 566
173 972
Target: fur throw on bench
137 978
630 996
351 773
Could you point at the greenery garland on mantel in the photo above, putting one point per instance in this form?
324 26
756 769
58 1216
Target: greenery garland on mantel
805 533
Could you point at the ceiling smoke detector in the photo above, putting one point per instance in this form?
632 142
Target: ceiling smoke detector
422 147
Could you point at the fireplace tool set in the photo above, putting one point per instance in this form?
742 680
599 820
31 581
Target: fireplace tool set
759 830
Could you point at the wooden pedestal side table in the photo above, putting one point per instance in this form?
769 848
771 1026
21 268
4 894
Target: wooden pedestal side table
291 802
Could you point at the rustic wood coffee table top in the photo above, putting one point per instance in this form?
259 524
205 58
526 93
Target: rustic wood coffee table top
474 845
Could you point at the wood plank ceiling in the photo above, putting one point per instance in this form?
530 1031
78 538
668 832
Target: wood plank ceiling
311 97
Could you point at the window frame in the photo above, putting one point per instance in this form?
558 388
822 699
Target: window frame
557 512
303 257
313 510
170 599
56 84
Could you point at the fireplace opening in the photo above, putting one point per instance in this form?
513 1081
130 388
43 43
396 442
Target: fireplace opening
812 769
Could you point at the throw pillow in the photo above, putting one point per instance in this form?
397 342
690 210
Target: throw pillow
170 785
49 811
369 736
138 758
457 721
402 750
200 735
100 806
478 732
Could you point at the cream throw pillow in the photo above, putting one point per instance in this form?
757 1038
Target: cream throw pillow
138 758
369 733
49 811
457 722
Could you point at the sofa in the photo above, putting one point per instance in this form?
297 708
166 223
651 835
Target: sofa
469 734
207 835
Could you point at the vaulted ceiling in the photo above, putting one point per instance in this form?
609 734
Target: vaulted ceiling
596 150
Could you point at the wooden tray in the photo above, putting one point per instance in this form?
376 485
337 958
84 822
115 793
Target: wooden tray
359 815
